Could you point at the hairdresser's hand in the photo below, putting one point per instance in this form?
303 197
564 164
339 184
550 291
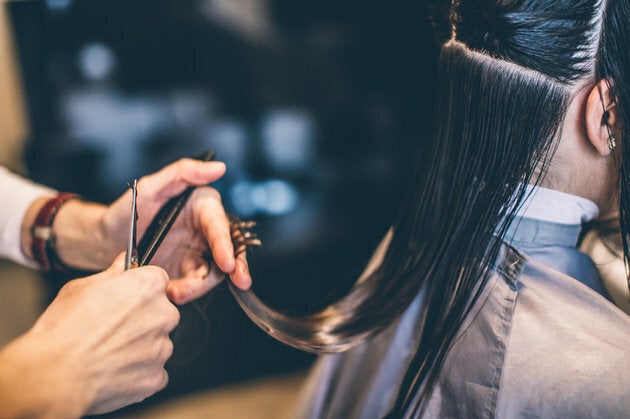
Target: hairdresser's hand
202 225
90 235
99 346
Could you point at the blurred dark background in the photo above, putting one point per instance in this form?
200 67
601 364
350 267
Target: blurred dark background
318 108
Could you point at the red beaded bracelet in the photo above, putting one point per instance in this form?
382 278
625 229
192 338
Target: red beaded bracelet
43 238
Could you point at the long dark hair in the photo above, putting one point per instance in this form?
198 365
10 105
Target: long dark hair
507 72
613 64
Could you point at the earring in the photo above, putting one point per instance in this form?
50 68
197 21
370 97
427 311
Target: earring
611 142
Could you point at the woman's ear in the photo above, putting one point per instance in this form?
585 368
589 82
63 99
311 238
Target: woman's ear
601 118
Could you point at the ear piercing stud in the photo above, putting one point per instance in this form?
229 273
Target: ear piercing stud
611 142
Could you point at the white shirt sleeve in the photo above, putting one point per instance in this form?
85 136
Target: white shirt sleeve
16 195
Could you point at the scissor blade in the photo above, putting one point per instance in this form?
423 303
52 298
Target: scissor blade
131 257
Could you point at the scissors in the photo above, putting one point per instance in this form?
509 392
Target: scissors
131 257
140 254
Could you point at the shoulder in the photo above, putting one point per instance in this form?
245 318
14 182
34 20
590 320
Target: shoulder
569 349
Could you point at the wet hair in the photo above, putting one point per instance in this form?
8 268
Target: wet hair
508 70
506 74
613 64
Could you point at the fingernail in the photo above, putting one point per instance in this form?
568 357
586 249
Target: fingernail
219 165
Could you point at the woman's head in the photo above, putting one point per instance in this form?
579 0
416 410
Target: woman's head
527 91
578 45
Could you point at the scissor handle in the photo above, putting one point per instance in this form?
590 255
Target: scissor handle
164 219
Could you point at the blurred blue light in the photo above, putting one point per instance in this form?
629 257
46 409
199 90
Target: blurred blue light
280 197
96 62
58 4
240 197
272 197
228 138
289 140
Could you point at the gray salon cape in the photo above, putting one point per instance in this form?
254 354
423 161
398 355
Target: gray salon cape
543 340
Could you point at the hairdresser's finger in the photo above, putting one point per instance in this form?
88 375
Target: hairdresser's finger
190 262
176 177
194 285
118 266
241 276
215 226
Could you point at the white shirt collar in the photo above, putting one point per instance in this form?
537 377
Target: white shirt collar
556 207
